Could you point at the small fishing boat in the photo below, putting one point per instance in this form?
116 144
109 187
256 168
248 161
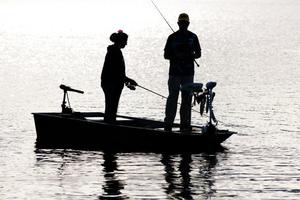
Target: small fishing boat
87 130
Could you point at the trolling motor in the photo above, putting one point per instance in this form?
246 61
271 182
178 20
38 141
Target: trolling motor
204 98
67 109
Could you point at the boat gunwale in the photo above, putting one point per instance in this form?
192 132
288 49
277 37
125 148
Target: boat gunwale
85 114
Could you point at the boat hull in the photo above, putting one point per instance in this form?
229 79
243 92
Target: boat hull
57 130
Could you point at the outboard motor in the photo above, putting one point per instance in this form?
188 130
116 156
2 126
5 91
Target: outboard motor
195 89
210 97
205 99
210 85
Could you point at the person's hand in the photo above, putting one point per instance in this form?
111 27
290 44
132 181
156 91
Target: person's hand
132 82
131 87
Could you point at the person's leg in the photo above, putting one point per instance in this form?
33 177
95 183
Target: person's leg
112 94
114 105
171 105
186 104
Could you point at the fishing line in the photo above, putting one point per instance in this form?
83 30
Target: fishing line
152 91
162 16
162 96
169 25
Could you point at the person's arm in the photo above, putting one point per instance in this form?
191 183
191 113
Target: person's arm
197 48
130 83
167 50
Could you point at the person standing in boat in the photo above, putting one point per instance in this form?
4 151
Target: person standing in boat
182 48
113 76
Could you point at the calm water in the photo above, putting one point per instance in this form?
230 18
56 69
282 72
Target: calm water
250 47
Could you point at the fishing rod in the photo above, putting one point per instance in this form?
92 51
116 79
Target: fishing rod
168 24
152 91
161 96
162 16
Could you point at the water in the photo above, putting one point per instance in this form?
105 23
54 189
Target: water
251 48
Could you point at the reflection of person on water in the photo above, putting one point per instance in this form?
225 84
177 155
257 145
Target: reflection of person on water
113 186
181 49
189 178
113 75
178 189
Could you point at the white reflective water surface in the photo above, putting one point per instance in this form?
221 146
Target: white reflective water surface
250 47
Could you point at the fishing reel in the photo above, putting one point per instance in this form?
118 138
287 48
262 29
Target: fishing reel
130 86
67 109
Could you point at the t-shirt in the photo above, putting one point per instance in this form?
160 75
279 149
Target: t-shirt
181 49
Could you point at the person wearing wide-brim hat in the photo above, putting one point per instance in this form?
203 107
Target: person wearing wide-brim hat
182 48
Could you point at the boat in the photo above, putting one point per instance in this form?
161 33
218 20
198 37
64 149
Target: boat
87 130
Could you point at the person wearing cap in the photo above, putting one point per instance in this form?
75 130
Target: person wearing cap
181 48
113 76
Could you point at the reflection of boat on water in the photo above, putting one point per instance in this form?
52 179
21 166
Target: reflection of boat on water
64 161
180 176
187 176
87 130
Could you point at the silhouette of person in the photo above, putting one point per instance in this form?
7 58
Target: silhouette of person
181 48
114 76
